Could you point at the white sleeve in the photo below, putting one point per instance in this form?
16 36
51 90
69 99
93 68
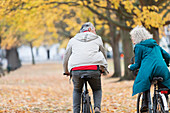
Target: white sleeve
101 47
67 56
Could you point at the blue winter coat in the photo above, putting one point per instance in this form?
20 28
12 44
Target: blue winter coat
152 61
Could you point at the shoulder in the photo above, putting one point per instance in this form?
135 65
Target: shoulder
71 41
99 38
138 46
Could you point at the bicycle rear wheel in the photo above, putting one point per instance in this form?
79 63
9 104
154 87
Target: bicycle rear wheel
161 105
86 104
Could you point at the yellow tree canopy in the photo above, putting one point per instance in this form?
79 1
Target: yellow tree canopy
37 21
150 13
46 21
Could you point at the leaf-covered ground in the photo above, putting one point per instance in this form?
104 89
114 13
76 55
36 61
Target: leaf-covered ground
42 88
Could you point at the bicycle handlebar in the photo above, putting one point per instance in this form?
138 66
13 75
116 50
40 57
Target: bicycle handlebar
66 74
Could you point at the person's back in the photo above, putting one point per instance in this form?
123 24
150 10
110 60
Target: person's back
85 50
84 55
153 53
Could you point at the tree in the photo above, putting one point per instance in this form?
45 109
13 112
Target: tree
132 13
9 43
28 25
124 14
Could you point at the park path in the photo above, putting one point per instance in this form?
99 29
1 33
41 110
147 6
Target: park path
42 88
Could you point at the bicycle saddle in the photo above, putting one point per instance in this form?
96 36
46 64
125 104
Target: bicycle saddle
157 79
85 77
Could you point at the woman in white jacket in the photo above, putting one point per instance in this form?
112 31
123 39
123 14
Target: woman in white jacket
83 57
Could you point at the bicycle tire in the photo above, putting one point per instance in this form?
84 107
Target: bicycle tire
139 102
162 104
86 104
158 106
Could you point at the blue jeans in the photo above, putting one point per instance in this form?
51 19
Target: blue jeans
95 84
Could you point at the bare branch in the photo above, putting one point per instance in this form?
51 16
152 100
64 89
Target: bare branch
166 23
166 14
164 7
108 19
160 2
21 6
119 11
108 8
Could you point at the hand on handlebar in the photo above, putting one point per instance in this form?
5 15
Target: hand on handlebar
129 66
66 73
103 70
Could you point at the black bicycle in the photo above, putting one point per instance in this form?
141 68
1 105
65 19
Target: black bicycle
159 102
86 99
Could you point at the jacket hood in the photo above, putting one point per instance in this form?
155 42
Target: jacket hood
85 36
149 43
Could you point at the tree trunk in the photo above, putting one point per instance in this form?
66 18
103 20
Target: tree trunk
32 54
37 51
115 49
115 45
155 33
128 53
0 41
48 54
13 59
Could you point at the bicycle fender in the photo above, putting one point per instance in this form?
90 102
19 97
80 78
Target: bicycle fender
164 101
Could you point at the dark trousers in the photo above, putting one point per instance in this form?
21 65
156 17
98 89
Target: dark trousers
95 84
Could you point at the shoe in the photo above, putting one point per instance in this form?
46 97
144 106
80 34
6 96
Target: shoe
97 110
144 108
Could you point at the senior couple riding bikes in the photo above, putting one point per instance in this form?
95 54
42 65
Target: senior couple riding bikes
85 55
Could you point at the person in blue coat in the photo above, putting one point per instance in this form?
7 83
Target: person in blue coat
151 60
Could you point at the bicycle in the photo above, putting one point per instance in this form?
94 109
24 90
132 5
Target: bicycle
159 102
86 99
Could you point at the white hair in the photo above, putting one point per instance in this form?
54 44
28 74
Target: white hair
86 26
139 34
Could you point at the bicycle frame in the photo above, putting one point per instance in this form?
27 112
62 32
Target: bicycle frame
152 102
86 98
165 103
159 95
149 102
85 86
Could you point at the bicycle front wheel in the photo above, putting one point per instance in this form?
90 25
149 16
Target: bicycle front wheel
139 102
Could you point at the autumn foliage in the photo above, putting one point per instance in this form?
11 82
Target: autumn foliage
47 21
45 90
